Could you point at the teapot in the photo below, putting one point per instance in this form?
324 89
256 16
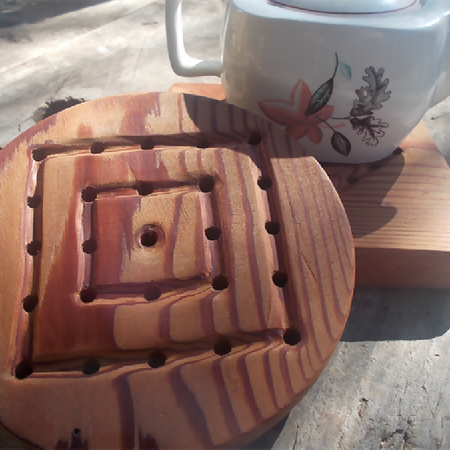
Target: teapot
349 79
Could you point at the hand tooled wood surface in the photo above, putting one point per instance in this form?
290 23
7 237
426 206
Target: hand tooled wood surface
398 209
218 336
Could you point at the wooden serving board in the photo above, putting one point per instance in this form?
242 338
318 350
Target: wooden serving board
175 274
399 210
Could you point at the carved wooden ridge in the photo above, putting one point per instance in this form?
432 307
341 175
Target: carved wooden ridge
169 262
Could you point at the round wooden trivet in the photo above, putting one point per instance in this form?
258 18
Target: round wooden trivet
175 273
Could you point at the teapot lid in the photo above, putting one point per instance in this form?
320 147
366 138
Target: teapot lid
348 6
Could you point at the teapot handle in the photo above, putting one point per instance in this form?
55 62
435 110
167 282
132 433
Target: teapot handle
182 63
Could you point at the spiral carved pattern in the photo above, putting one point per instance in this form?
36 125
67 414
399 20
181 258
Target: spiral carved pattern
176 263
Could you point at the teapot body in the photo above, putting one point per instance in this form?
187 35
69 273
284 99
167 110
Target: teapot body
349 89
349 86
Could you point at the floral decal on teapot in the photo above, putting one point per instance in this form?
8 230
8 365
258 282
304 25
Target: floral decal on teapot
306 114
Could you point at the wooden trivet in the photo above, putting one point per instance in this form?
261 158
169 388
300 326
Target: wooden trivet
399 210
175 274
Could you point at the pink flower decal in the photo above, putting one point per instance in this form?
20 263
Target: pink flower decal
293 116
305 113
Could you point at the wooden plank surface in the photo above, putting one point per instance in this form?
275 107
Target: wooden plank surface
399 210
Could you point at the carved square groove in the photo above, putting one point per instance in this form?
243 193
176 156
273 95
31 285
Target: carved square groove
112 257
163 235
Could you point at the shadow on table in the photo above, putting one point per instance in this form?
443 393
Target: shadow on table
17 12
381 315
398 314
267 440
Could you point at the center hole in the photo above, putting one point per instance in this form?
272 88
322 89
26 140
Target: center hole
149 238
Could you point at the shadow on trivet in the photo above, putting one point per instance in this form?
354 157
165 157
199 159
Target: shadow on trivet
362 187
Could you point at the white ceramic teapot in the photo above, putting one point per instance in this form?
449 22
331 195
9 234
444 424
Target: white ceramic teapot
348 78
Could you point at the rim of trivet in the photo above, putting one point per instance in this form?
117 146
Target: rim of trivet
100 356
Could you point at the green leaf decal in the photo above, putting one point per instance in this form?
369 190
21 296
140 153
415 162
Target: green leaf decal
340 143
346 70
320 98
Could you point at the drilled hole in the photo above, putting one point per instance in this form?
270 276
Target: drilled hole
272 227
34 247
89 246
397 151
89 194
212 233
264 183
206 184
351 180
147 144
202 142
76 432
35 201
144 188
292 336
23 370
156 359
39 154
98 147
88 295
254 138
220 283
280 279
152 292
30 302
222 346
91 366
149 238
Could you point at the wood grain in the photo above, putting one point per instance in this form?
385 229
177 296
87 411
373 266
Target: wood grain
399 213
171 260
398 208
